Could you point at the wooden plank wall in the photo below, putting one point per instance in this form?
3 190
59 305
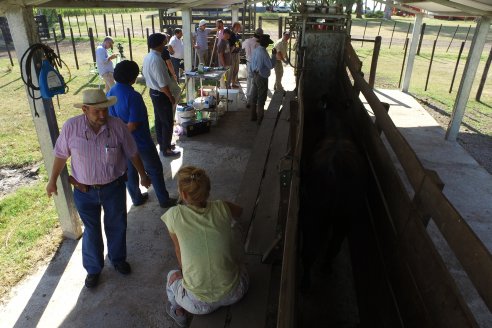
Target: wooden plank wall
412 257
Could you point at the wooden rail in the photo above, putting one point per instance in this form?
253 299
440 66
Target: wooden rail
429 200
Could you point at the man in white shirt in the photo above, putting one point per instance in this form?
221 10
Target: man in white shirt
104 64
249 45
157 80
176 49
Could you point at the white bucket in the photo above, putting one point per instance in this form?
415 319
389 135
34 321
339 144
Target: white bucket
185 113
232 96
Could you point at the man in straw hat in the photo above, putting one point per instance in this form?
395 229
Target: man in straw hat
249 45
259 70
131 109
158 81
99 146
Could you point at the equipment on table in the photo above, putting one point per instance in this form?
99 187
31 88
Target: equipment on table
192 128
185 113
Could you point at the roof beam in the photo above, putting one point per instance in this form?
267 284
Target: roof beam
189 5
451 4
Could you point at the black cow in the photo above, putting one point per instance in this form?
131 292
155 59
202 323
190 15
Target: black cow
333 185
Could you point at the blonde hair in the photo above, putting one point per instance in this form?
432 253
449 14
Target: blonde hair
195 183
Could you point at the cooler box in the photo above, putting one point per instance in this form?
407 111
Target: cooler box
192 128
232 96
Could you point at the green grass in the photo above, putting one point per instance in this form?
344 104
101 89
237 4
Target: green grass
29 231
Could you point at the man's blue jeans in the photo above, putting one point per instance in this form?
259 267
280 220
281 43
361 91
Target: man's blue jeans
153 167
176 65
111 198
164 119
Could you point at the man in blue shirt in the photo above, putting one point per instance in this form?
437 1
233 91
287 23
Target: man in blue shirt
131 109
259 70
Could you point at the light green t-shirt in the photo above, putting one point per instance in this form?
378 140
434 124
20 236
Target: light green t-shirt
206 240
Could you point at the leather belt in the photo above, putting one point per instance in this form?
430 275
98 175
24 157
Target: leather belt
85 188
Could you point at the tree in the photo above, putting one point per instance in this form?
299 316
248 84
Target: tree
358 9
388 9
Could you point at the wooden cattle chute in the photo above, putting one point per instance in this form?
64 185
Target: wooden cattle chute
423 290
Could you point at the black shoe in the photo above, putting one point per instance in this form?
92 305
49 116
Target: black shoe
145 198
92 280
170 203
123 267
171 153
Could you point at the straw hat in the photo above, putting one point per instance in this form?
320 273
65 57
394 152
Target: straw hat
95 98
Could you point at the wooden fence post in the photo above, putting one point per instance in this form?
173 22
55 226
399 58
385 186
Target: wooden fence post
430 64
260 21
408 31
86 24
454 34
379 30
74 50
153 27
114 26
130 43
374 62
93 46
69 23
484 76
109 30
280 27
105 25
62 29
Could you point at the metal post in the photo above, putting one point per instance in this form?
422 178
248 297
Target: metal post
141 26
78 25
456 66
408 31
438 32
69 24
391 40
421 38
467 32
147 30
374 62
484 76
280 27
105 24
114 26
109 31
472 62
411 52
131 22
95 25
123 24
153 27
430 64
379 30
405 46
86 25
62 29
364 35
130 43
74 49
56 42
7 46
454 34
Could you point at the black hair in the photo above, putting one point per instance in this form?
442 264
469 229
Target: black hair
126 71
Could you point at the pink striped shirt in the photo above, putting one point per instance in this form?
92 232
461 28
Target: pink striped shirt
96 158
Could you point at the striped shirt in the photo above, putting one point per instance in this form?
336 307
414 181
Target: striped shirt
96 158
155 71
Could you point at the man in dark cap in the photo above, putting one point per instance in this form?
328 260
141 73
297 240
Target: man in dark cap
131 109
259 70
158 80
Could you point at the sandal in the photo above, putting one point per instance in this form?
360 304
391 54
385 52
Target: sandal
179 319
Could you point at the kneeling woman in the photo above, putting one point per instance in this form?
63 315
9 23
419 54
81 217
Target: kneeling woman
207 248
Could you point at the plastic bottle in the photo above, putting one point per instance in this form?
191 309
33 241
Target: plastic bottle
199 115
200 68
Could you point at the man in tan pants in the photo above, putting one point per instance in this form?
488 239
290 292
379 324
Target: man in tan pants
104 62
281 47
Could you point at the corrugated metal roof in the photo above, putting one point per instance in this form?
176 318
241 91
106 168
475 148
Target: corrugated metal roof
453 7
